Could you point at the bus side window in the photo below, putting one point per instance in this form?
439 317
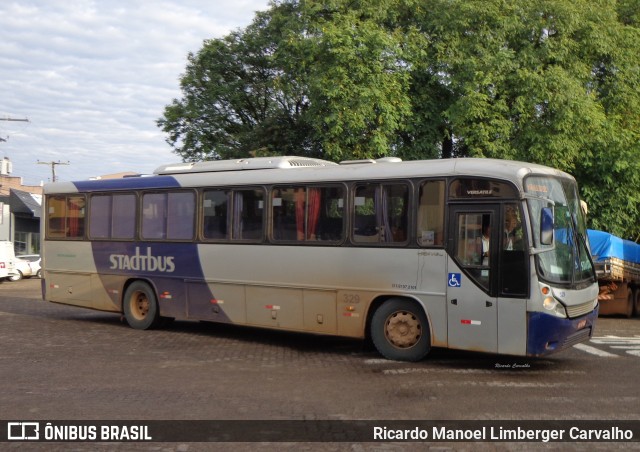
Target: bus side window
215 211
248 214
154 207
124 216
283 203
307 214
66 217
431 214
181 208
380 213
100 217
395 204
365 225
331 215
76 216
112 216
168 215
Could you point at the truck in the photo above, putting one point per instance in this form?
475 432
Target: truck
617 264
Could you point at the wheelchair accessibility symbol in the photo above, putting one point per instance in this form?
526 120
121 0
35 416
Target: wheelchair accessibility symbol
455 279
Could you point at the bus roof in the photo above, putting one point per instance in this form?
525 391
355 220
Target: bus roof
288 169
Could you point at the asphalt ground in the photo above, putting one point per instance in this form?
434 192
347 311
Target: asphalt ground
67 363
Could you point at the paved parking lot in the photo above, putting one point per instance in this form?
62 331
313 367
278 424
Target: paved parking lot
72 360
65 363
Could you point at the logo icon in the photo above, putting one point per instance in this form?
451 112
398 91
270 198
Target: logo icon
23 431
455 279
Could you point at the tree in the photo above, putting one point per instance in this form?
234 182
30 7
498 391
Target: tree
313 78
553 82
358 80
239 98
548 81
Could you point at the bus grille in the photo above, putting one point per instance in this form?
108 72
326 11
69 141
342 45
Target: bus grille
576 338
579 310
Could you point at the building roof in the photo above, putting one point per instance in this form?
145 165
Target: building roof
26 203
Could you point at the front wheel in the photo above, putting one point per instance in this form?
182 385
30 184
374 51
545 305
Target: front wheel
140 306
17 277
400 330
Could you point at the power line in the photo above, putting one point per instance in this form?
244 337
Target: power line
53 167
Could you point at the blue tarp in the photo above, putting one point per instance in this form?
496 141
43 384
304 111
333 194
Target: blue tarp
604 245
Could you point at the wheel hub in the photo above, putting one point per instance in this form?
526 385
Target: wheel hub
403 329
140 305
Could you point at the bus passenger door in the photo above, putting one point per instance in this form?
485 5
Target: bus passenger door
472 310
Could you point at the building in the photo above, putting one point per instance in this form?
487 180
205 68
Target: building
20 211
24 214
20 220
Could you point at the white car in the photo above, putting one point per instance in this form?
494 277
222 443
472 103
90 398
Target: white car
23 270
34 262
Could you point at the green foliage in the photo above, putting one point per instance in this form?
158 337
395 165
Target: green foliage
240 97
549 81
358 86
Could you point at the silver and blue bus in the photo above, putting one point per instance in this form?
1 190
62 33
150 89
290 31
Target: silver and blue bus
471 254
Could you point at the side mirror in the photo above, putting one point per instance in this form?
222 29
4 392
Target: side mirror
546 226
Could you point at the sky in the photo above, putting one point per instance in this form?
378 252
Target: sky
93 77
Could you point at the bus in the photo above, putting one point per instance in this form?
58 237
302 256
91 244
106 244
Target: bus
384 250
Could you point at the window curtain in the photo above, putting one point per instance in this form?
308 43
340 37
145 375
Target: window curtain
313 208
73 215
238 211
384 220
299 197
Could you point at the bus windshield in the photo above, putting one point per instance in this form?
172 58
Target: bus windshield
567 260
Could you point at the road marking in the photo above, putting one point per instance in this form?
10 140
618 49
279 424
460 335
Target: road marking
426 370
631 345
594 351
611 340
378 361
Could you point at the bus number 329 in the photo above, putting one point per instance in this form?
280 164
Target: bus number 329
470 254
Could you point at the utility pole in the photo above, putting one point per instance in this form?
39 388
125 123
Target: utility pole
53 167
7 118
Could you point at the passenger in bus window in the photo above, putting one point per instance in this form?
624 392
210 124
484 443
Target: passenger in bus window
486 234
511 225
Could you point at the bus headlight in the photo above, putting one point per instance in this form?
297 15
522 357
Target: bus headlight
554 306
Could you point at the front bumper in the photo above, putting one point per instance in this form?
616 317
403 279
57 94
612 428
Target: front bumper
549 334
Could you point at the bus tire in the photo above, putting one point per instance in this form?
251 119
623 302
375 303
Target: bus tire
400 330
636 301
140 306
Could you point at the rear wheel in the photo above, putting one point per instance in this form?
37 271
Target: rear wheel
16 277
630 304
140 306
400 330
636 301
